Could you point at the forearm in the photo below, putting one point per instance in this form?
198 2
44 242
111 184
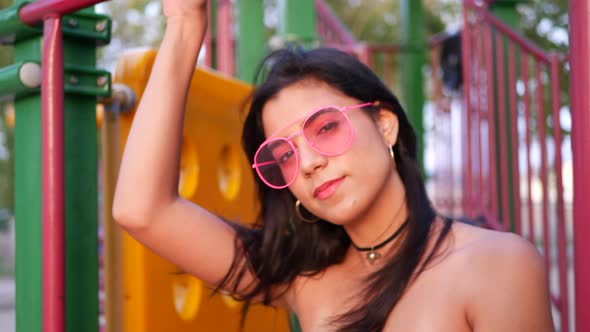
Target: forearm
149 170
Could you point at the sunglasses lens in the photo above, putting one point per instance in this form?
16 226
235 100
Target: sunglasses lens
276 162
328 131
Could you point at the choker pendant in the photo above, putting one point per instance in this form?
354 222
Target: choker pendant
373 255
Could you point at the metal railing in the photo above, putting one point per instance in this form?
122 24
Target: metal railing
507 132
332 33
48 13
514 146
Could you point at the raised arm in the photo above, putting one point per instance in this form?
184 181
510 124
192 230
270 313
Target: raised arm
146 200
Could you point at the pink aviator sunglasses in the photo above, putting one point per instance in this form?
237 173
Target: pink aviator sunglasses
327 130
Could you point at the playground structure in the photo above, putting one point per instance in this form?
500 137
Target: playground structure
496 62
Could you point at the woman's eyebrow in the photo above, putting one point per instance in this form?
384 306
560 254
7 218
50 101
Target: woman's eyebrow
275 144
304 116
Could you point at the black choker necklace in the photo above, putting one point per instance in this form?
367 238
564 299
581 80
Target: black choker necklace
372 255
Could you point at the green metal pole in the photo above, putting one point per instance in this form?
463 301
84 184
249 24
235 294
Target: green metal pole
251 40
413 58
297 25
27 192
506 11
81 196
297 21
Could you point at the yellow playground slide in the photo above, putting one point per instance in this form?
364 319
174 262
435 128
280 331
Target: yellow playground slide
214 173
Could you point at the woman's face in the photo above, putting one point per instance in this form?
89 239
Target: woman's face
340 188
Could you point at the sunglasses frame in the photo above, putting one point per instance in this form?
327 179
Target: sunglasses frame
289 140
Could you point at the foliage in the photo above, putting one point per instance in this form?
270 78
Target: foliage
546 23
5 51
136 23
377 21
6 143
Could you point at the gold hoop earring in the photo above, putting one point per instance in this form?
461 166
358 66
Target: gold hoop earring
300 215
391 153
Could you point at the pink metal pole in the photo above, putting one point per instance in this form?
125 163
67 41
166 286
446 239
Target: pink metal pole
543 172
35 12
561 249
208 42
527 129
579 15
52 128
505 29
467 137
491 127
515 139
478 200
501 107
388 69
327 18
225 45
364 54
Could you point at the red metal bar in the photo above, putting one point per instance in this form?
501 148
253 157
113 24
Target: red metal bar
333 24
52 128
477 197
579 16
561 246
490 123
508 31
501 114
364 55
451 178
527 121
208 42
370 57
515 139
437 179
208 47
467 70
390 48
35 12
225 45
543 171
388 69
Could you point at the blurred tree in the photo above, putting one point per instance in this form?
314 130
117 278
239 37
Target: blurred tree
6 144
136 23
546 23
377 21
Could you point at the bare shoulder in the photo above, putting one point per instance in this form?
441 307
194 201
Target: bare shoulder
504 280
495 248
488 257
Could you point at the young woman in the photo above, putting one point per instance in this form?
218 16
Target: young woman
347 238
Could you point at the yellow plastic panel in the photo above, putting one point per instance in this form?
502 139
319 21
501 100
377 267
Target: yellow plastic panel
216 175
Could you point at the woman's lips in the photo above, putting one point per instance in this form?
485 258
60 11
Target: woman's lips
327 189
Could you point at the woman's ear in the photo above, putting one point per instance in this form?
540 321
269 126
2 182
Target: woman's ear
388 124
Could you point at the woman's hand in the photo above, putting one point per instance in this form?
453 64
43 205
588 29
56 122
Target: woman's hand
184 8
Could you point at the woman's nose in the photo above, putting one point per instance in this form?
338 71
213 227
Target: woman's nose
309 159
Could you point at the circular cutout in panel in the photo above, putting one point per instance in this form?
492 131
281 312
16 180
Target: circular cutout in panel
186 294
228 172
189 169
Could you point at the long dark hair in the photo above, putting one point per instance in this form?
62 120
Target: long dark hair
279 247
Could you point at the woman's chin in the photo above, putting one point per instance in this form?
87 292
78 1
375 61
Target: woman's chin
341 217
